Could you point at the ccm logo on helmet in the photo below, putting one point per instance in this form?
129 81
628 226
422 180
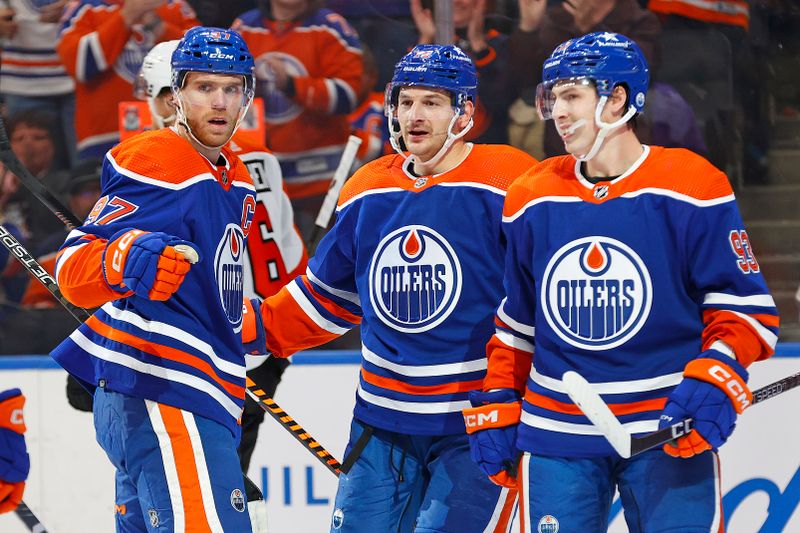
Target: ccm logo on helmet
219 55
481 419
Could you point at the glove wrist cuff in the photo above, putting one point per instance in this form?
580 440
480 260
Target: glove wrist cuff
722 376
494 415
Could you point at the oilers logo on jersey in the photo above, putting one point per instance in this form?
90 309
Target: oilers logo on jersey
596 293
278 108
415 279
130 61
229 270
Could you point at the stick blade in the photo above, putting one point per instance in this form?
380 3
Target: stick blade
596 410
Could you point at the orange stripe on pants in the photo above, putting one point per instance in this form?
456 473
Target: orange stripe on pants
188 478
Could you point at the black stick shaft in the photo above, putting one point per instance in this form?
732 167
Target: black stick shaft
30 520
664 435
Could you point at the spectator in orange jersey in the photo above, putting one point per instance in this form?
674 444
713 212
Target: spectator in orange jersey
308 70
102 44
488 50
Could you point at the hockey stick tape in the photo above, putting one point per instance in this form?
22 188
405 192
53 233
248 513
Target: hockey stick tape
188 252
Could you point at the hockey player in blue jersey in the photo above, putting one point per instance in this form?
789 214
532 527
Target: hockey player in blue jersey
164 353
14 461
415 256
629 264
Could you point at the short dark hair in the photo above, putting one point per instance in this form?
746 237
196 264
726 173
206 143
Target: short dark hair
33 118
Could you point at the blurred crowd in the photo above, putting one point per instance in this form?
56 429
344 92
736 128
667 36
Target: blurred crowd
69 72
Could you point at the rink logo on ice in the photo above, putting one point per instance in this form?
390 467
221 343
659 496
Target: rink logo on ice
229 272
237 500
596 293
415 279
338 519
547 524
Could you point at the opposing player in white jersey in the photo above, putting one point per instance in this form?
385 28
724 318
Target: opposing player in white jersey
629 264
414 257
161 254
275 251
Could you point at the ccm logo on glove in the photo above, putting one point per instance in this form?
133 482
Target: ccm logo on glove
122 246
724 377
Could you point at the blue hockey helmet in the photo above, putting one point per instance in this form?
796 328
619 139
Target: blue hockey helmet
213 50
436 66
607 59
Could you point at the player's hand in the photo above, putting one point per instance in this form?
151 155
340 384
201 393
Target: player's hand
492 428
146 263
531 13
476 31
423 20
254 336
14 460
712 393
132 11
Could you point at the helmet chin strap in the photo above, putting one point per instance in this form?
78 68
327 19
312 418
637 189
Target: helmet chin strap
605 128
448 142
183 121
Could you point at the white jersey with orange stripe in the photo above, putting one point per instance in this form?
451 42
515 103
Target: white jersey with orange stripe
186 351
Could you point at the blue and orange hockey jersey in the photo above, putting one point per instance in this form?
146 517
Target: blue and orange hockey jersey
187 351
369 124
307 131
104 57
417 261
623 281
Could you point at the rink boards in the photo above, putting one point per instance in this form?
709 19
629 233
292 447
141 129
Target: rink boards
71 483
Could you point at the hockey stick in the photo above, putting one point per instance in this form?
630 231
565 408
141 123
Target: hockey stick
626 445
255 392
29 519
10 160
332 196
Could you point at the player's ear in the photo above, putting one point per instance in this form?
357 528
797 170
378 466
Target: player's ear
617 100
468 113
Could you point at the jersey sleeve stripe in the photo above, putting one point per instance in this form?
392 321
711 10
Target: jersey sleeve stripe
337 312
407 388
757 300
311 311
445 369
344 295
164 352
770 338
344 100
513 342
167 330
524 329
167 374
65 254
91 60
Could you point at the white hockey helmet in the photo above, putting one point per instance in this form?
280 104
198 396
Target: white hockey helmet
154 76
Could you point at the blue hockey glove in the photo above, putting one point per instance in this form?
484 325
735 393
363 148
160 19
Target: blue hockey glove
14 460
712 393
254 336
145 263
492 428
